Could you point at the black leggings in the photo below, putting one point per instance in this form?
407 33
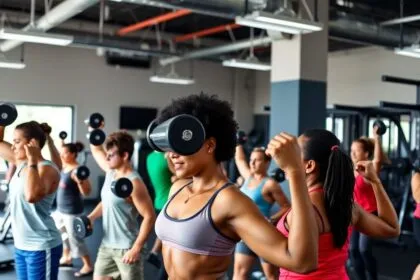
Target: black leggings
361 256
416 227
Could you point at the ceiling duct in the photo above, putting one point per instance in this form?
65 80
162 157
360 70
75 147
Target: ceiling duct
219 8
363 30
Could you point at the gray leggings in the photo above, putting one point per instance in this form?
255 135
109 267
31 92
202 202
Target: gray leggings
64 223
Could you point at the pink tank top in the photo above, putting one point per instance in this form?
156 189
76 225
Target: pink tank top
417 211
364 195
331 260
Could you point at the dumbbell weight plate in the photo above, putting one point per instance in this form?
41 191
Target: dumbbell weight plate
95 120
187 139
62 135
122 187
96 137
82 227
8 114
381 127
82 172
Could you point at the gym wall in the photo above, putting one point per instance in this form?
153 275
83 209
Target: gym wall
354 78
56 75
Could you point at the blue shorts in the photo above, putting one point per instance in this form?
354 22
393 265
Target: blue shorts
38 265
242 248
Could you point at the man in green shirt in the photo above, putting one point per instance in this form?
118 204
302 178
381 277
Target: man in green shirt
160 177
160 170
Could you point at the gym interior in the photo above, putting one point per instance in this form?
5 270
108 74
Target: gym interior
283 65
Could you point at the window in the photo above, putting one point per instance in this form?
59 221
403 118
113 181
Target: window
60 118
339 127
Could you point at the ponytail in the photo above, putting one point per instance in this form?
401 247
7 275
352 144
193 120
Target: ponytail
335 172
338 192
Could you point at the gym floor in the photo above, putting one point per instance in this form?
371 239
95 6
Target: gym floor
394 262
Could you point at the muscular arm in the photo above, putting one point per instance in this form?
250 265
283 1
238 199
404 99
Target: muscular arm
384 225
378 154
5 148
298 252
40 183
84 186
241 162
99 155
96 213
55 155
144 206
274 191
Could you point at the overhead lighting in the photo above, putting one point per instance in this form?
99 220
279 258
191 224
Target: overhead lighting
11 65
264 20
35 37
253 64
413 51
171 79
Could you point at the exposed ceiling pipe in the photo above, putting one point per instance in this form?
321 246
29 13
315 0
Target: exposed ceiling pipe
206 32
153 21
216 50
54 17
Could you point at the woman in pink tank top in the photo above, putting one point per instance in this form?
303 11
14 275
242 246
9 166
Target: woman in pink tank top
361 255
330 182
415 189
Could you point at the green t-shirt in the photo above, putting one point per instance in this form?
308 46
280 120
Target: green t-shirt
160 176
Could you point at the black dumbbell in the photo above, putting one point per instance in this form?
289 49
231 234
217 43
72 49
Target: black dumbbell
8 114
278 175
62 135
95 120
241 137
122 187
96 137
182 134
82 227
381 127
82 172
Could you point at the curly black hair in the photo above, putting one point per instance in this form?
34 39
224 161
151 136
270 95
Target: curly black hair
216 116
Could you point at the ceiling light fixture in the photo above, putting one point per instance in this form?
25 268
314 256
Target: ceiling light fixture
171 78
264 20
35 37
4 63
413 51
249 63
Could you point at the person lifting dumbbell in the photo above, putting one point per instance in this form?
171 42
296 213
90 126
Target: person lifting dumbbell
123 198
74 185
264 192
32 189
361 256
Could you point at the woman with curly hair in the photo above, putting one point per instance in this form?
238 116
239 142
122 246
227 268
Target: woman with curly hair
206 215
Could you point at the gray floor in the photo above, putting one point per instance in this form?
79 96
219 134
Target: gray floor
394 262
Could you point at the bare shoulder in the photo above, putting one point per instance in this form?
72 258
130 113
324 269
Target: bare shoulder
48 170
232 200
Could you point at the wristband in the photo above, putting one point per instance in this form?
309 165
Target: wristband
35 166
